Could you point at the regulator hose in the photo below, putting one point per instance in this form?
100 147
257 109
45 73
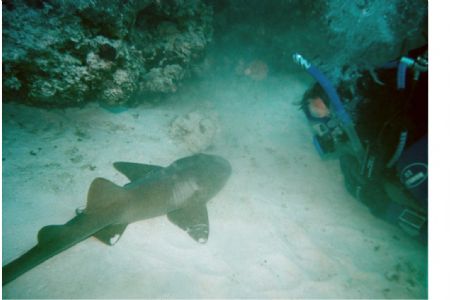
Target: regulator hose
399 149
403 65
335 102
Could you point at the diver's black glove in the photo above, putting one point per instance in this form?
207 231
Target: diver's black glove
351 170
368 190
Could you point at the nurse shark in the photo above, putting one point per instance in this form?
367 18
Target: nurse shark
179 191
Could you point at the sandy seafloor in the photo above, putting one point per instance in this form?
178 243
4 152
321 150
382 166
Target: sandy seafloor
283 226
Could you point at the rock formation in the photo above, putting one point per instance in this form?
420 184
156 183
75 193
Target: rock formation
60 53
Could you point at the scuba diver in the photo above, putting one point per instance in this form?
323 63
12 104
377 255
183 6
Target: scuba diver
377 127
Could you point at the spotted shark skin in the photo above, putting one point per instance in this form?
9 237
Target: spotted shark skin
179 191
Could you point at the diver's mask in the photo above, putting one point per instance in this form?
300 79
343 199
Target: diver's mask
328 134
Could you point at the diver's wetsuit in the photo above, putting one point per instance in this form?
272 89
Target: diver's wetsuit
386 113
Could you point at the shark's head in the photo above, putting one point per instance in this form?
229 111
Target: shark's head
209 172
216 170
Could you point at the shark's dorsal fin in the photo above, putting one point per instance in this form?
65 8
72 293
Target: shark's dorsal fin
135 171
47 233
102 193
111 234
194 220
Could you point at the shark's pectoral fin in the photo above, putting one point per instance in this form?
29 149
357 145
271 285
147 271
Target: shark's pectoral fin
135 171
194 220
111 234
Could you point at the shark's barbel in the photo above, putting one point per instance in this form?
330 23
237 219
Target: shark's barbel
179 191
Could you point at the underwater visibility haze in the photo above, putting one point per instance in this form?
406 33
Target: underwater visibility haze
266 132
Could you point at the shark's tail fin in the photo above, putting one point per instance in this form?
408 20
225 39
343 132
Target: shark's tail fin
52 240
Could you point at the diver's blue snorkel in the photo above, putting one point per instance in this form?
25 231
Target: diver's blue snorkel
336 104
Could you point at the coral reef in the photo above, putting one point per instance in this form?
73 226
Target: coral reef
69 52
61 53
